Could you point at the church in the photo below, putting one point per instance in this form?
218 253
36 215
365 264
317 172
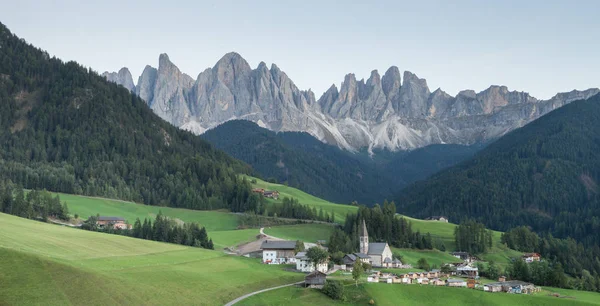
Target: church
379 252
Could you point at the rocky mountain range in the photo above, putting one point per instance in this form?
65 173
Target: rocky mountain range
392 112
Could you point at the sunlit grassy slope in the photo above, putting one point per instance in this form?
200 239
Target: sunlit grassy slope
48 264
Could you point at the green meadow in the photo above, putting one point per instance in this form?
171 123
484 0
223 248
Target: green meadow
305 232
340 211
398 294
45 264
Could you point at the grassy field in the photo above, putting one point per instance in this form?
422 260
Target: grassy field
221 226
304 232
340 211
445 232
387 294
434 257
56 265
89 206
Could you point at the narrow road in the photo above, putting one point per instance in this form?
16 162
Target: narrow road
260 291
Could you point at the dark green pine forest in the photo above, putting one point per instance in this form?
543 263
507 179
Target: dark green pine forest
544 175
302 161
66 129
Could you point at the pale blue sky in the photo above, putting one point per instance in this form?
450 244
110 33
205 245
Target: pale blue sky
541 47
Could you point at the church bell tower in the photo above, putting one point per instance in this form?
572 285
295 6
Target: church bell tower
364 238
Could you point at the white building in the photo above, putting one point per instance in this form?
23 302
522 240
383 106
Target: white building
278 252
304 264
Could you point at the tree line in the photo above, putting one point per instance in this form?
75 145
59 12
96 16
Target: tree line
568 255
34 205
472 237
292 208
382 225
163 229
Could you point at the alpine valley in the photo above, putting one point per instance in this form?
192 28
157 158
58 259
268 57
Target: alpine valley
390 112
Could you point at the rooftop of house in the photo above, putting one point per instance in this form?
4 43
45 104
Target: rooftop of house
361 255
105 218
315 274
454 280
301 255
278 245
531 255
460 253
351 256
376 248
510 283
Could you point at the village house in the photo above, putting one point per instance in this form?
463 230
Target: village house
471 283
112 222
467 270
423 280
437 282
350 259
518 287
315 279
437 218
273 194
464 256
531 257
304 264
456 282
378 251
395 263
502 278
278 252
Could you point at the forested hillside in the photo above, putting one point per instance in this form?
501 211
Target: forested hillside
544 175
65 128
302 161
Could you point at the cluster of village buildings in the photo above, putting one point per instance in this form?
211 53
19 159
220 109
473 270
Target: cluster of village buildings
379 255
273 194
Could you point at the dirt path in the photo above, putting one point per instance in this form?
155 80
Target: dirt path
260 291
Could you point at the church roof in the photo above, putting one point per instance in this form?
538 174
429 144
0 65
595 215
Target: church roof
363 229
376 248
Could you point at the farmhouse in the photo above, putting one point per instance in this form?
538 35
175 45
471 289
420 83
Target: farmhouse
378 251
112 222
437 218
278 252
350 259
304 264
467 270
531 257
273 194
316 279
437 282
464 256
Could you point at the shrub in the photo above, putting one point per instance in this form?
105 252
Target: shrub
334 290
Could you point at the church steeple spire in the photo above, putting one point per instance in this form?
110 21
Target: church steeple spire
364 238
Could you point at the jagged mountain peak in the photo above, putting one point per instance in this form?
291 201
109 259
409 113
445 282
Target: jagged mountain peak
390 111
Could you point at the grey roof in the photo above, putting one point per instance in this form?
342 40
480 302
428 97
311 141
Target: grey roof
460 253
376 248
387 260
301 255
351 256
361 255
397 261
105 218
450 280
278 245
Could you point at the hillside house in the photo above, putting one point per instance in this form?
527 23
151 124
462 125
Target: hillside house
378 251
271 194
464 256
531 257
278 252
395 263
467 270
350 259
315 279
112 222
456 282
502 278
304 264
423 280
437 282
437 218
